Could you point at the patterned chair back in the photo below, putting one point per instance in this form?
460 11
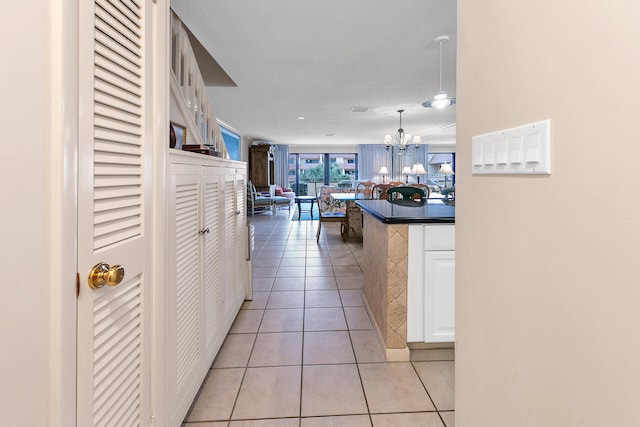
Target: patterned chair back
327 204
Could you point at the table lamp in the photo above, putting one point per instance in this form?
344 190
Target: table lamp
406 171
383 171
446 170
417 170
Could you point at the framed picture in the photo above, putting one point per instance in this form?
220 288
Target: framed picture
177 135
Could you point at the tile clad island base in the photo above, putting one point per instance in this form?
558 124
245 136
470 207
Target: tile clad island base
387 267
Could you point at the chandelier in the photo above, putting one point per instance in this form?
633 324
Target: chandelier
402 140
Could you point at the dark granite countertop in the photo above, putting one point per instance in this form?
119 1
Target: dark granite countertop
410 212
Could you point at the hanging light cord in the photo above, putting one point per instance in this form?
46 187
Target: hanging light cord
441 43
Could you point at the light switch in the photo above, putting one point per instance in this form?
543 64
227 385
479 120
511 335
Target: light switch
515 150
501 151
487 152
521 150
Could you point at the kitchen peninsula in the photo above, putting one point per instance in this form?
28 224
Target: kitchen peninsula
409 272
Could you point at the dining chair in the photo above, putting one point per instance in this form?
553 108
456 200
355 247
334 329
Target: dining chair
406 193
364 190
380 191
331 210
425 187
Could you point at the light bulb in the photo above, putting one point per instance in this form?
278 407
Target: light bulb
440 100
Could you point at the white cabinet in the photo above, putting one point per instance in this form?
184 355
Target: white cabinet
431 284
207 267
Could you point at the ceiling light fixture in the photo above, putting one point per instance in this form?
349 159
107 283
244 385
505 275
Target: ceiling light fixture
402 140
440 100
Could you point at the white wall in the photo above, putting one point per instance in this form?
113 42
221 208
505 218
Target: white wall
27 282
547 278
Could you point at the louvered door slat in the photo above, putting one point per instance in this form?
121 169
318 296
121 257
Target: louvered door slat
111 113
128 10
121 23
121 369
123 147
123 84
118 126
111 136
121 184
117 156
116 203
126 304
117 43
110 86
116 102
111 216
123 354
114 193
114 174
113 406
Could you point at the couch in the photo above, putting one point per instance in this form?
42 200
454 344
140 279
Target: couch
279 191
282 197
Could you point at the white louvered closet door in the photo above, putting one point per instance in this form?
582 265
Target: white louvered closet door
115 140
211 254
230 272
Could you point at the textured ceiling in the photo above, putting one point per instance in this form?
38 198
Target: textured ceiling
318 59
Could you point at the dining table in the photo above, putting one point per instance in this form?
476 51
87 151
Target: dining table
353 215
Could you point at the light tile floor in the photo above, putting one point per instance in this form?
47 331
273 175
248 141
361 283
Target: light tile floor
304 352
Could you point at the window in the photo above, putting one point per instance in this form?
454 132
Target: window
309 171
231 141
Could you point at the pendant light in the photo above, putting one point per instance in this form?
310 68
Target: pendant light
440 100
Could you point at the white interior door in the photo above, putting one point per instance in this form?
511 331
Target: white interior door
113 212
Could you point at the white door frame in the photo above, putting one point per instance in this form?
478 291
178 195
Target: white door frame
63 222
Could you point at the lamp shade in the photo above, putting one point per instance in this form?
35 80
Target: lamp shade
406 170
418 169
445 168
384 171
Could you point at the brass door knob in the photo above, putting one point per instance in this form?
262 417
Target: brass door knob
102 274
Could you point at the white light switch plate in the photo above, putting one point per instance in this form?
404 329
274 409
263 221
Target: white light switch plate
522 150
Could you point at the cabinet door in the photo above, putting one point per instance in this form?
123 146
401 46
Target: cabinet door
261 167
230 236
242 235
184 318
439 296
213 302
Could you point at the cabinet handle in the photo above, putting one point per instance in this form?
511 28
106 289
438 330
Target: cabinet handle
237 212
204 231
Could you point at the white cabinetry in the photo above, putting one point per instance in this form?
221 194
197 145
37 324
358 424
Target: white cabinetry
431 284
207 267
